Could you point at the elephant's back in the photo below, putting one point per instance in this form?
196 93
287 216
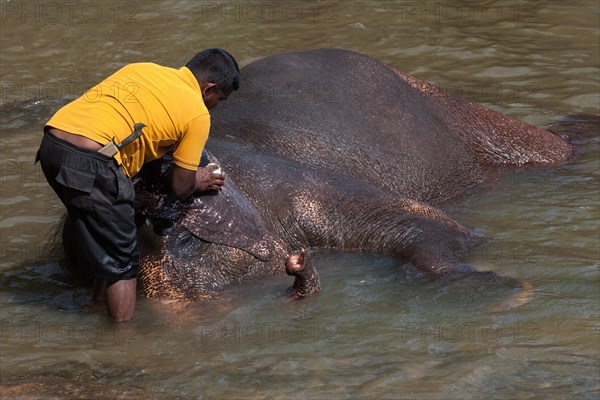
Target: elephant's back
348 113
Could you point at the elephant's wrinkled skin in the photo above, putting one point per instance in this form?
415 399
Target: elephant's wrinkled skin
330 148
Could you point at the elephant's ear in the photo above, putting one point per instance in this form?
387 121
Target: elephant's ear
227 218
223 217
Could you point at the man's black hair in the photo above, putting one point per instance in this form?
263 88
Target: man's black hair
216 66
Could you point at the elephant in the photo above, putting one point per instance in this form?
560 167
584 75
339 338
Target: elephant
329 148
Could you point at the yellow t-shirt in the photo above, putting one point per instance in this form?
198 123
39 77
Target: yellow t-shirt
167 100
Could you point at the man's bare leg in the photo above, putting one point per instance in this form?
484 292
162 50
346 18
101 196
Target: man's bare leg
120 299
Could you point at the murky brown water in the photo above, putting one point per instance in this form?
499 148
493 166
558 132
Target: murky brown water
373 332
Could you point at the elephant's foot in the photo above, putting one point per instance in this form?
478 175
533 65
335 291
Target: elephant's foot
521 291
306 281
523 296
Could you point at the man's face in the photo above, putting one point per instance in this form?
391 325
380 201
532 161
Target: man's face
212 96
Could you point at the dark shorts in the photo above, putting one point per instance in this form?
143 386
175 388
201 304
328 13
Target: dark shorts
101 233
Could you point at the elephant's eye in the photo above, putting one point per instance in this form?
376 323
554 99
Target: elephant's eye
185 238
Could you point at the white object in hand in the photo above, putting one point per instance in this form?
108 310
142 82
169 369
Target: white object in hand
216 170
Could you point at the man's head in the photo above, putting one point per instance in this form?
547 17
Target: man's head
217 73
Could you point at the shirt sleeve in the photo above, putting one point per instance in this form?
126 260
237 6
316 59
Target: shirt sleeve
189 149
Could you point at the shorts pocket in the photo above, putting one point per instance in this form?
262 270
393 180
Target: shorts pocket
77 186
125 190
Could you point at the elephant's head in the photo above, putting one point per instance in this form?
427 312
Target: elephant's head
196 247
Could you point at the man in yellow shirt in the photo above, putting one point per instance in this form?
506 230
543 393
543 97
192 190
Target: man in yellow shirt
96 188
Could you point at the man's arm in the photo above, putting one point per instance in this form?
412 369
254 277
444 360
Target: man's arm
185 182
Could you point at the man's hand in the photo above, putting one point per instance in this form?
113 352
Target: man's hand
207 179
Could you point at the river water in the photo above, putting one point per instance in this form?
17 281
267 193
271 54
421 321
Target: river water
375 330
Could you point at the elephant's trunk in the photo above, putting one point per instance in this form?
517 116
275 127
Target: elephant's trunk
307 280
